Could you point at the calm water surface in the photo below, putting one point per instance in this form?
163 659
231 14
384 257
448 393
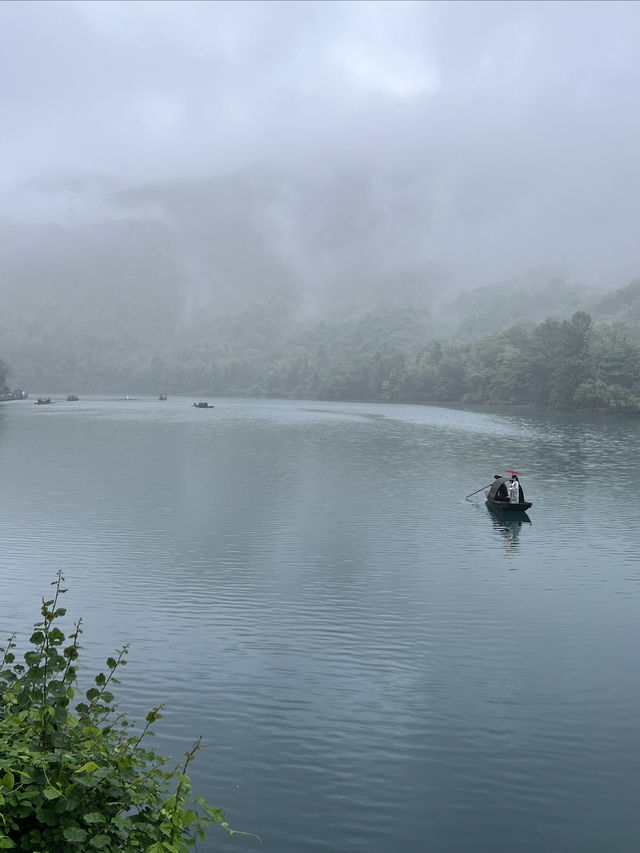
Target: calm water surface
375 663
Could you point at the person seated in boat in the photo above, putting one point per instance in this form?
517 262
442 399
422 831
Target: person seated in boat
503 493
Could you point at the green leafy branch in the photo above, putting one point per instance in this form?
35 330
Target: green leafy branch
78 779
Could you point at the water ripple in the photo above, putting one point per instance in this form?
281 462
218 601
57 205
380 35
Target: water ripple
374 662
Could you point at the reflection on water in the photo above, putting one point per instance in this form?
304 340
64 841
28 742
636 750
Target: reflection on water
508 526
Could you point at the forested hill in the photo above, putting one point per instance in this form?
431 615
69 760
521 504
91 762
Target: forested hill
562 364
134 306
203 285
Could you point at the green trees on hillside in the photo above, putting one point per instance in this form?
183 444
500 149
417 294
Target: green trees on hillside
562 364
392 356
567 364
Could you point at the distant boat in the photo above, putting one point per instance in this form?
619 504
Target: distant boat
72 398
203 405
13 395
162 396
42 401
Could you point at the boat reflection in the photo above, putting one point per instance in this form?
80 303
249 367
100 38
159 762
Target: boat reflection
508 525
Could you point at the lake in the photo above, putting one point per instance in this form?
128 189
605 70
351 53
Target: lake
375 663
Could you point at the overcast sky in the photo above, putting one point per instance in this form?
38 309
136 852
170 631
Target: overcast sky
520 122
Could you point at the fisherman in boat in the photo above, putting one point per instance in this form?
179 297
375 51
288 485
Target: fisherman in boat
506 493
503 493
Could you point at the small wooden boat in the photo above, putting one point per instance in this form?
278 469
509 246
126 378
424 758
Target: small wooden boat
72 398
203 405
43 401
498 497
162 396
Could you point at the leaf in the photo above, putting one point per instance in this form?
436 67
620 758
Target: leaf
89 767
75 833
51 793
94 817
8 780
60 716
215 814
55 635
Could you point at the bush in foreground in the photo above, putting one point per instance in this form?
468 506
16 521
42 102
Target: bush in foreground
81 780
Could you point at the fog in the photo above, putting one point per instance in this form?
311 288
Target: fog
477 140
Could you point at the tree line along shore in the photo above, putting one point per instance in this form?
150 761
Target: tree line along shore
571 364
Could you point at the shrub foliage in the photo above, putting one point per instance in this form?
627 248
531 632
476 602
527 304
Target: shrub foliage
81 779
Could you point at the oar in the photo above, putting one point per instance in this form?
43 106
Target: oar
479 490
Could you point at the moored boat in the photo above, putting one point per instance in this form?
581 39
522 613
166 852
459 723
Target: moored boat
13 395
72 398
43 401
203 405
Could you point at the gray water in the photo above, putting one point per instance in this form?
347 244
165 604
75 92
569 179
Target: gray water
375 663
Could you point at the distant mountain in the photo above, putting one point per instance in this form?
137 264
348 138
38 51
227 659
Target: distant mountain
204 285
156 292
